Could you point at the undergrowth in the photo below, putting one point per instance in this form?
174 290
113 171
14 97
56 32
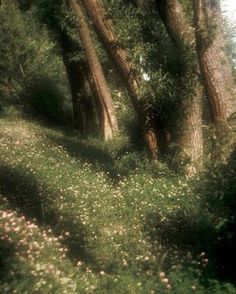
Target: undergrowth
84 216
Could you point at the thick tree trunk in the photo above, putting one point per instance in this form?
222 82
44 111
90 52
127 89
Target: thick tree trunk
191 141
105 30
216 72
190 138
83 115
105 107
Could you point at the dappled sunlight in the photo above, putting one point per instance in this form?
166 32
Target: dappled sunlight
104 231
117 147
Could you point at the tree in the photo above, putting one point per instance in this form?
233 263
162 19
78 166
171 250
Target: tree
190 126
104 102
216 72
131 78
51 13
83 115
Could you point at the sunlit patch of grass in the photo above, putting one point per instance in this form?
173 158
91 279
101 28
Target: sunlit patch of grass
84 216
31 257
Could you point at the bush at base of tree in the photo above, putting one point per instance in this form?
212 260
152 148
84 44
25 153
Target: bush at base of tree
45 100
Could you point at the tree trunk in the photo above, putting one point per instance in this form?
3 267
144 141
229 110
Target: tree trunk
105 107
216 72
82 106
190 137
105 30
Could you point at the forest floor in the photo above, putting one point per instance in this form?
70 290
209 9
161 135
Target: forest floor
84 216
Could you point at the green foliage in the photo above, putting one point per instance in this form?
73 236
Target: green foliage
166 74
28 57
45 100
230 43
219 196
13 51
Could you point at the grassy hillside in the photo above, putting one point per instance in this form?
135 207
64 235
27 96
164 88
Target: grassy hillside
84 216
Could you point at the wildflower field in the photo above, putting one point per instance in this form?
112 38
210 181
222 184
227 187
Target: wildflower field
84 216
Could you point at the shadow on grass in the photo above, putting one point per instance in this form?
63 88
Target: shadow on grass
84 151
7 253
118 164
180 230
11 272
101 160
189 239
22 191
209 227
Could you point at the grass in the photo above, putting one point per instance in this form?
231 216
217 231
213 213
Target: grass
84 216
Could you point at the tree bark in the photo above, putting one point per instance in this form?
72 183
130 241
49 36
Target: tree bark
190 136
82 105
105 107
132 80
215 69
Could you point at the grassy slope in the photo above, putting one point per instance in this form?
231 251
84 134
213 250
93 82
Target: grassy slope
73 218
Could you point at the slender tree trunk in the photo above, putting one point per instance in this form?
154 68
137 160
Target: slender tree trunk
190 137
105 30
216 72
82 105
105 107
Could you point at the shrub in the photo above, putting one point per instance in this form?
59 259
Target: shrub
218 190
45 100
